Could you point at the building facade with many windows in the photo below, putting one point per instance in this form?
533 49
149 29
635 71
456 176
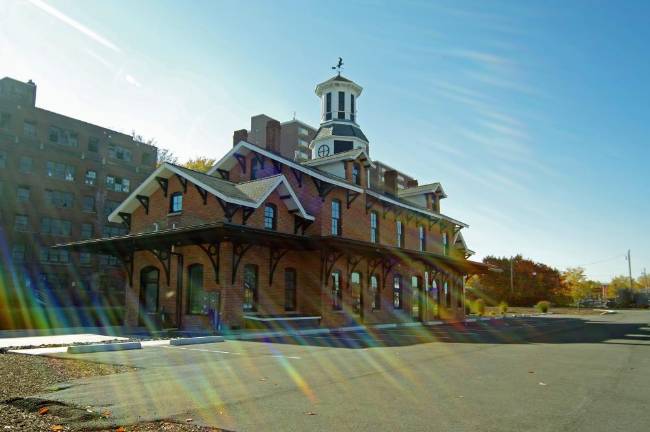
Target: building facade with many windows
60 178
263 239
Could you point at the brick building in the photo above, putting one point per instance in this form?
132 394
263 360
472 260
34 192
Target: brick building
59 180
264 239
295 136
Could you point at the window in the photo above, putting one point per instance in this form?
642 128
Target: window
250 288
89 203
270 215
445 245
117 184
90 178
25 165
374 227
400 233
422 238
5 120
3 159
85 258
21 222
60 171
59 199
63 137
29 129
86 231
328 106
254 167
356 174
336 217
119 153
18 253
447 294
114 230
352 108
55 227
375 294
337 293
55 256
109 206
22 194
302 131
341 146
149 277
197 303
93 144
434 202
355 285
397 291
341 114
176 202
290 297
108 260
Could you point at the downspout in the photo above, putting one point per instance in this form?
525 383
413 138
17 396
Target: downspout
179 288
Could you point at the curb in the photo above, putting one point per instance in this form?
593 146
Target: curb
93 348
196 340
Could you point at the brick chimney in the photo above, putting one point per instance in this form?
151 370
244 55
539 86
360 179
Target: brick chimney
273 129
239 135
412 183
390 182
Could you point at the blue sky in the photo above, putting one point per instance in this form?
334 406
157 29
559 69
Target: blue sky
533 115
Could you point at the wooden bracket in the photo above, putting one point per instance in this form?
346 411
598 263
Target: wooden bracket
330 260
225 174
275 255
126 218
322 187
350 196
241 159
239 250
300 224
183 182
164 183
246 213
212 252
298 176
203 193
165 257
229 209
144 200
277 166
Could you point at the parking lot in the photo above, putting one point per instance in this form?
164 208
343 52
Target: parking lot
515 374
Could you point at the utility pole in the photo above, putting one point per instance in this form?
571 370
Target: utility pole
629 268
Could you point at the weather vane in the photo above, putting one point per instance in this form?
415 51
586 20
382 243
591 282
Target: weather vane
339 65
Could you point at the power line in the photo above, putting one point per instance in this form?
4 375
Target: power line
615 257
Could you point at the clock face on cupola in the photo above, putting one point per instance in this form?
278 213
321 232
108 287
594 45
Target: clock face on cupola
339 131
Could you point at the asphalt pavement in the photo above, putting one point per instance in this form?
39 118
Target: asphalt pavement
557 373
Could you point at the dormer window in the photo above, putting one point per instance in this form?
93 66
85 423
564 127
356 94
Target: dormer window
270 217
356 174
422 237
176 202
400 233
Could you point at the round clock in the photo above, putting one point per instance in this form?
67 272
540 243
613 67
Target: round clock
323 151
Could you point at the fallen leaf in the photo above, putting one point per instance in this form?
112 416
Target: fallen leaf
120 429
105 414
56 428
262 379
542 384
310 413
188 420
531 372
43 410
461 396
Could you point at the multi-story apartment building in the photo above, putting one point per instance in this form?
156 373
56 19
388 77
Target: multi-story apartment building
294 136
264 239
59 180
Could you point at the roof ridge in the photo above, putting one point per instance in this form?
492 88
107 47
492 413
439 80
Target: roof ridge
259 179
200 172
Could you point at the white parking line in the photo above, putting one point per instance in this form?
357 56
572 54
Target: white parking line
202 350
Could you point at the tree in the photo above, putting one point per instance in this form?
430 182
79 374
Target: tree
643 281
575 280
200 163
619 283
166 155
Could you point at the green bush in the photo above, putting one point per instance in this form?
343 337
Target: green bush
503 308
543 306
479 307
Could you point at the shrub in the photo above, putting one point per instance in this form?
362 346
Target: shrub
543 306
479 306
503 308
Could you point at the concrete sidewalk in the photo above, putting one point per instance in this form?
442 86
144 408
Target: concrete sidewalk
65 339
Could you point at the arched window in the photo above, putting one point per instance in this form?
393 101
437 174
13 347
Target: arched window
250 288
397 291
374 227
176 202
337 292
375 294
149 277
399 229
336 217
197 302
270 217
423 238
356 174
355 285
290 295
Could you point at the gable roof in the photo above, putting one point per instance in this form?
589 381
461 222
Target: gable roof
249 194
426 188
